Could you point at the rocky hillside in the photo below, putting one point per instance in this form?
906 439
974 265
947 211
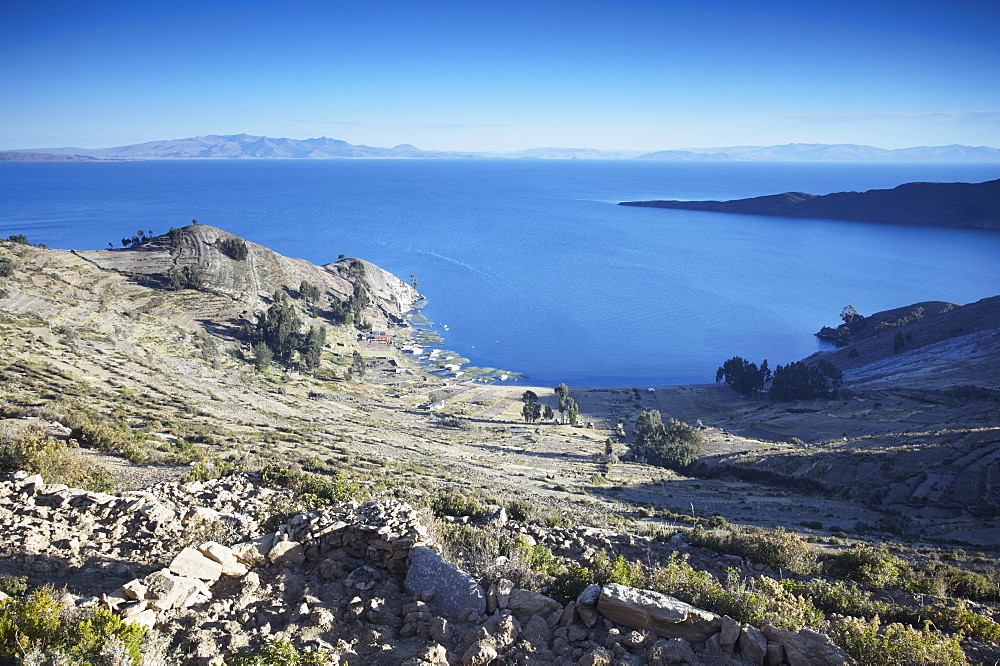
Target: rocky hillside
358 583
946 204
249 272
173 468
926 345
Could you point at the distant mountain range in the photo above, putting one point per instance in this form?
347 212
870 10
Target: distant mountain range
821 152
947 204
248 146
15 156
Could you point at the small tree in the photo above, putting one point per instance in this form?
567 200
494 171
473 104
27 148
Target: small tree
262 356
531 410
234 248
176 238
745 377
312 347
563 392
573 410
673 445
357 368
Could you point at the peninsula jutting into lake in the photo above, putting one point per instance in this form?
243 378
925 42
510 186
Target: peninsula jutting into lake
938 204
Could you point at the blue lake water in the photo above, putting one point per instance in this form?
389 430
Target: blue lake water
532 266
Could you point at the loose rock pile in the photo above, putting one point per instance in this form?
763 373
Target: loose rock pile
361 581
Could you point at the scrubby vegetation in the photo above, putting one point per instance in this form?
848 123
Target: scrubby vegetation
870 643
776 548
36 629
32 450
279 651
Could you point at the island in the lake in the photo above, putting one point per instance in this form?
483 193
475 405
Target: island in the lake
945 204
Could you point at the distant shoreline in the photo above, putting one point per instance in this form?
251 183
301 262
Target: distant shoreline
968 205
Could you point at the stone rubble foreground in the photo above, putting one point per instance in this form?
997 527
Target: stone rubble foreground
364 581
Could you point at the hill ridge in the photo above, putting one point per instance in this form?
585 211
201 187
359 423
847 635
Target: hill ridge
946 204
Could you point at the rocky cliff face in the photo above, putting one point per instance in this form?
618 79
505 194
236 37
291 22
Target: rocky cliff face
260 272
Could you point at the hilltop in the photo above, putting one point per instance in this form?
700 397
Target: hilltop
945 204
132 370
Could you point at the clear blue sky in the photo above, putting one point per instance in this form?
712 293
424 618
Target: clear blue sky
502 75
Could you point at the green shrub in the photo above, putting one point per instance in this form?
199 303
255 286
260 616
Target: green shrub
13 586
960 620
327 489
871 644
456 503
521 510
777 548
280 652
6 267
205 470
838 597
32 451
606 570
844 599
38 624
567 585
489 554
176 238
872 566
757 602
969 584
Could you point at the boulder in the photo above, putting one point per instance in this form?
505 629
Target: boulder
661 614
191 563
165 590
729 634
586 604
288 553
254 553
526 603
456 592
807 647
596 657
479 653
753 644
225 556
670 652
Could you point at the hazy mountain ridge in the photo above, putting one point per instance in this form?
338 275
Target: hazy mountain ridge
819 152
247 146
947 204
14 156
